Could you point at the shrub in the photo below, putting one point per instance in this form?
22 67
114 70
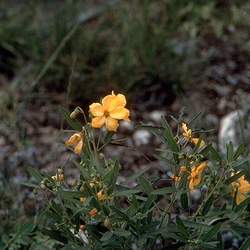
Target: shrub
97 212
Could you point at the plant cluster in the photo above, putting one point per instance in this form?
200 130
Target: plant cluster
98 212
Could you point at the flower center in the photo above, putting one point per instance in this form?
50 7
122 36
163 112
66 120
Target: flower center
106 113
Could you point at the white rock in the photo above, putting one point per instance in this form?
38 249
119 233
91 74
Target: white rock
230 129
156 115
126 126
141 137
195 194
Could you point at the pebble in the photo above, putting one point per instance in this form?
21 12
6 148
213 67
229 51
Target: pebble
126 126
156 115
195 194
141 137
228 131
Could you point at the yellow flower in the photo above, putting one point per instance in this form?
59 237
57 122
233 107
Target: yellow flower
187 134
178 178
196 175
101 196
93 212
58 177
82 200
77 141
109 112
242 187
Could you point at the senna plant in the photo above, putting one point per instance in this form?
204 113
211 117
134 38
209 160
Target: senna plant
97 212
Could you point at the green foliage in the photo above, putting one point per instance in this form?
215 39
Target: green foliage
98 213
55 40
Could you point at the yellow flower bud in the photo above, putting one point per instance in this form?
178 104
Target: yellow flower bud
54 177
82 199
75 114
101 196
107 223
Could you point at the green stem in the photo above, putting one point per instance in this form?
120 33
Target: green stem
209 196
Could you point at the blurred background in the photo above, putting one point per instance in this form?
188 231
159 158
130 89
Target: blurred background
168 57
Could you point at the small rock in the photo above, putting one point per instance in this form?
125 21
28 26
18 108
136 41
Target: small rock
141 137
195 194
228 129
222 90
126 126
212 119
156 115
222 104
233 80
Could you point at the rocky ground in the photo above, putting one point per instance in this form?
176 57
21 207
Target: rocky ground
33 135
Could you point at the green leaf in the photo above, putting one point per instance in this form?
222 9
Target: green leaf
128 192
123 216
242 205
70 194
208 236
214 154
182 228
239 164
169 137
184 181
148 203
184 200
240 150
84 173
205 150
220 243
29 184
138 174
35 173
111 177
234 177
240 229
122 233
207 205
246 244
72 123
145 185
163 191
106 236
230 152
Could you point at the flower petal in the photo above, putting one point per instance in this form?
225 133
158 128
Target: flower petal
201 167
78 147
73 140
96 109
109 103
120 114
198 140
98 122
240 197
111 124
121 100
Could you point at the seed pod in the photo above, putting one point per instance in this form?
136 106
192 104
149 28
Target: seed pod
76 113
107 223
